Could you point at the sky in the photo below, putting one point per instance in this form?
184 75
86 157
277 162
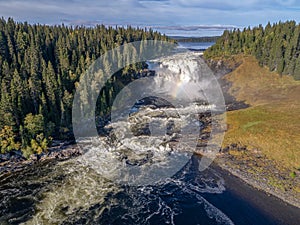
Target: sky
173 17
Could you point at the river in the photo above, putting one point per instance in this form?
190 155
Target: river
143 178
61 193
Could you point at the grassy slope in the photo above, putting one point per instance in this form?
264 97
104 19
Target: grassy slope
272 124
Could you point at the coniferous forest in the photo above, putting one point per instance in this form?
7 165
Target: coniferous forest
39 68
276 46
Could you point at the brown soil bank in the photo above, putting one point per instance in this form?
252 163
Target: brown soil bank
262 141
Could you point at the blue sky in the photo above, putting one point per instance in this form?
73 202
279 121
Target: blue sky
183 17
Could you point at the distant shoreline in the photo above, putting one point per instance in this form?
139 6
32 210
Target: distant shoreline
211 39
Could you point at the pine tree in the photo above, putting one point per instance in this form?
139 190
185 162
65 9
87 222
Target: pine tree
276 46
39 68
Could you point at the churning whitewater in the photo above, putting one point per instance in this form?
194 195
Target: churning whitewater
144 171
141 171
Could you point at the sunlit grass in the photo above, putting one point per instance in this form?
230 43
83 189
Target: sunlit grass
271 124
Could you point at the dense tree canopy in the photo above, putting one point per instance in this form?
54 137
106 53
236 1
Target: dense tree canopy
39 68
276 46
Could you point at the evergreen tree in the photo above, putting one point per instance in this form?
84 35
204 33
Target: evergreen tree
39 68
276 46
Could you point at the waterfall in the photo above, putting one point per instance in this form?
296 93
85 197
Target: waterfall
154 132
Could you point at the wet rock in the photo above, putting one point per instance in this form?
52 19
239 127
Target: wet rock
16 156
172 128
133 159
4 157
242 148
139 162
15 161
65 153
33 157
233 146
225 150
139 129
220 69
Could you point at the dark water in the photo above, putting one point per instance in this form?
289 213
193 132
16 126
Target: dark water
189 197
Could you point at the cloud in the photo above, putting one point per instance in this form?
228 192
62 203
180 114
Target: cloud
55 11
217 4
195 30
196 27
172 13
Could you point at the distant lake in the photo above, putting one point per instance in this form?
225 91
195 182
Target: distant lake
195 45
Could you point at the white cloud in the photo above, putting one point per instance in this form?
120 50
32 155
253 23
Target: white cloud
152 12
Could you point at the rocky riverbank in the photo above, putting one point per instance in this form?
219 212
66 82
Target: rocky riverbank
252 166
14 161
261 173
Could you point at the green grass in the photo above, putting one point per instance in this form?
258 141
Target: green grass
271 124
293 175
250 125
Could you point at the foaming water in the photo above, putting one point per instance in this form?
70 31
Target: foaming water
144 172
80 188
71 192
84 197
